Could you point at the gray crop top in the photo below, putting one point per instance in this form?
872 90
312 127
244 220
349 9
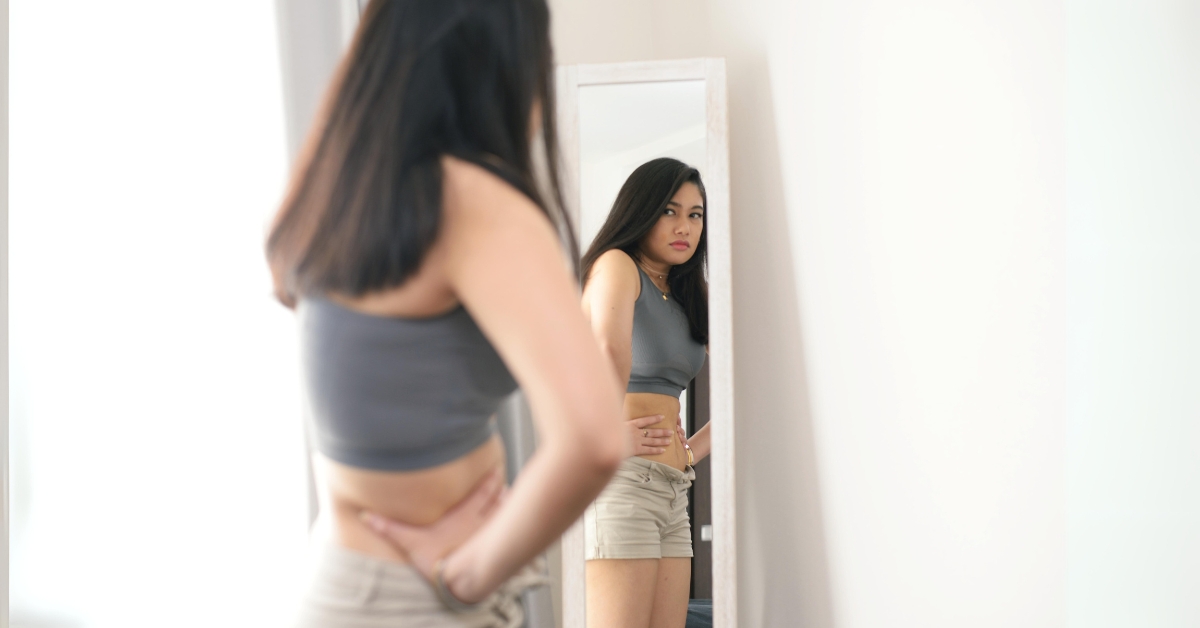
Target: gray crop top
396 393
665 357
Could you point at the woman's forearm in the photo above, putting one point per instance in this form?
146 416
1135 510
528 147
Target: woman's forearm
701 443
553 489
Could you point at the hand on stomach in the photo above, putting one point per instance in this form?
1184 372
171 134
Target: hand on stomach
646 404
417 497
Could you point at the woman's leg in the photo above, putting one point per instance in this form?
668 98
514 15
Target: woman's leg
621 592
671 593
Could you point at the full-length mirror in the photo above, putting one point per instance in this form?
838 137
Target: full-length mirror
645 150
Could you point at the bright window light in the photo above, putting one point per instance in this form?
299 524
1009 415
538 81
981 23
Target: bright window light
157 452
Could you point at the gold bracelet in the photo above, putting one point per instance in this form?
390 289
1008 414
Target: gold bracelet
691 458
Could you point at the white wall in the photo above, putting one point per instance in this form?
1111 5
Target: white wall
4 477
157 450
926 199
923 156
1133 471
899 207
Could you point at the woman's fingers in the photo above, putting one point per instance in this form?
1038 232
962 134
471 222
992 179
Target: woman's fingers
647 440
646 421
402 535
426 544
644 433
653 445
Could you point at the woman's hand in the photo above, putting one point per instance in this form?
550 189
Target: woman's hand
683 439
426 545
648 441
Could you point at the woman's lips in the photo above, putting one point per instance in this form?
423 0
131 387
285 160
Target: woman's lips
680 245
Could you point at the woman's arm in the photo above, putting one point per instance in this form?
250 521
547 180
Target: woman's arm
504 263
608 302
701 443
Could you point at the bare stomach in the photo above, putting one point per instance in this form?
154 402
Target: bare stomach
638 405
418 497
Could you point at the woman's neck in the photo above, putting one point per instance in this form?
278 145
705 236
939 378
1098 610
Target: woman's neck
658 272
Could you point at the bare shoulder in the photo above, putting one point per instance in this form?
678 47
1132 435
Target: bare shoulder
486 218
615 265
471 191
615 273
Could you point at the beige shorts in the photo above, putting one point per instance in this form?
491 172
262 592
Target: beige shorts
642 513
351 590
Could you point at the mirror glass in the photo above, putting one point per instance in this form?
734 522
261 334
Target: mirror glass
625 125
622 126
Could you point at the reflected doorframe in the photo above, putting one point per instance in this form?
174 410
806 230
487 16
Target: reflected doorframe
716 178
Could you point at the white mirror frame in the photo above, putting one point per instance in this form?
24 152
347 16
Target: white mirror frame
720 309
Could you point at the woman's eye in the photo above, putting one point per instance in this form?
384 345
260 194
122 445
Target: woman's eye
668 212
697 215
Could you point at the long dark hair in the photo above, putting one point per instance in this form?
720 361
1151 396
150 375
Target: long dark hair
421 79
641 201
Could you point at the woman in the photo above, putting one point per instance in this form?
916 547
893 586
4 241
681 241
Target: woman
429 281
647 301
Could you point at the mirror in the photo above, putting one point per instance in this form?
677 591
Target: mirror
613 119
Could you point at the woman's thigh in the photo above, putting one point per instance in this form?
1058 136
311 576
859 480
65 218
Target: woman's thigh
671 593
621 592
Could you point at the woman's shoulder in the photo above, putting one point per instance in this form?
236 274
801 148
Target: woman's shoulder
485 217
616 268
617 259
473 189
619 263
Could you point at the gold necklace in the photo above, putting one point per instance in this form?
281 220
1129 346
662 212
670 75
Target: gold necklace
664 294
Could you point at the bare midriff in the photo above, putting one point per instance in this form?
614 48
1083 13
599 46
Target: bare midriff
417 497
638 405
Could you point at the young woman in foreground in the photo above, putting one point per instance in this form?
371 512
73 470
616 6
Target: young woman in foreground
647 301
429 280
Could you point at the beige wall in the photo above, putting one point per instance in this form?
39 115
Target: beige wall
898 205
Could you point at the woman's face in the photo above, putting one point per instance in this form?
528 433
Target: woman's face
674 237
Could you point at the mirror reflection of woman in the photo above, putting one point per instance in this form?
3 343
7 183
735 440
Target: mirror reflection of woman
646 299
429 280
